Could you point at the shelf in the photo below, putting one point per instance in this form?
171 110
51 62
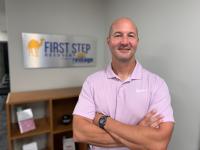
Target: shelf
59 128
34 96
62 107
51 105
42 127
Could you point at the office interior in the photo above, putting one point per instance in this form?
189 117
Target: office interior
169 46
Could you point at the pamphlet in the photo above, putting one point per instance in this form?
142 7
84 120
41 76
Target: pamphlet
25 120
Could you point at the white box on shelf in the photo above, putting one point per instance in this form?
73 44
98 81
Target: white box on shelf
25 120
30 146
68 144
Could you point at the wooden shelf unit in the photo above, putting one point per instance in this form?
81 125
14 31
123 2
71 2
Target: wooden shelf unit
57 103
42 128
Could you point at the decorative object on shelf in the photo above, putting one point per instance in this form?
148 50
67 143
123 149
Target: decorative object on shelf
30 146
67 119
25 120
68 144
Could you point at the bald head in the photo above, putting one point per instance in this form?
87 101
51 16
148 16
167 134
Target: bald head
122 20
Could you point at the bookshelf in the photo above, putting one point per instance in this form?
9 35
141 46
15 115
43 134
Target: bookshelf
54 104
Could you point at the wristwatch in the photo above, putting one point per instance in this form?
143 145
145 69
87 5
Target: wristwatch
102 121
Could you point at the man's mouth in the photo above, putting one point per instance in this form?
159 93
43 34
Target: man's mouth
124 49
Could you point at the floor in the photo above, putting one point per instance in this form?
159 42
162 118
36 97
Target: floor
3 135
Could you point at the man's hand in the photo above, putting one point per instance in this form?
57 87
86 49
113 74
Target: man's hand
151 119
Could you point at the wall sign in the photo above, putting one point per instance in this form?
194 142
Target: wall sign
45 50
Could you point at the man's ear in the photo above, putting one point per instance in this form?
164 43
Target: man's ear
108 40
138 39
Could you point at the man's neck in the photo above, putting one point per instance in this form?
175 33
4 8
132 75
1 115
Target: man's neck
123 69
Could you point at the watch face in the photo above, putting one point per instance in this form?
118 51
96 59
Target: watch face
102 121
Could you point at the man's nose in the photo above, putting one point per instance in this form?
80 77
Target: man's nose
124 40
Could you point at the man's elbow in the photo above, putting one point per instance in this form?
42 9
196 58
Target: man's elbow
164 146
159 145
77 136
163 137
78 129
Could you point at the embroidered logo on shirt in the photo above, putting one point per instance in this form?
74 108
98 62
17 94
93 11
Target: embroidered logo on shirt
140 90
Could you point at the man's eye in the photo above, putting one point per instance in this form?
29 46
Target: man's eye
132 36
117 35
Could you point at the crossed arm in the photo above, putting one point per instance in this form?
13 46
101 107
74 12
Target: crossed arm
84 130
149 134
156 138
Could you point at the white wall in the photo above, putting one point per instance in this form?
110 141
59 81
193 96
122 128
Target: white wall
73 17
2 16
170 46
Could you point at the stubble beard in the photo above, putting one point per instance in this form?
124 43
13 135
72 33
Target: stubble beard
125 60
122 59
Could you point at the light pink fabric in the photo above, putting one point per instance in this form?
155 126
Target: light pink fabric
126 101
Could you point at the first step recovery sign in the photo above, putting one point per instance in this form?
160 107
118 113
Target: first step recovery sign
46 50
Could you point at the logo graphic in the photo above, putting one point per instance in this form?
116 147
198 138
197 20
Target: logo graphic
34 47
80 55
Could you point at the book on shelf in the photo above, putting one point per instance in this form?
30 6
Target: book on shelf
68 144
30 146
25 120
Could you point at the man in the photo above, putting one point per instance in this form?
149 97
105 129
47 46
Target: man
124 106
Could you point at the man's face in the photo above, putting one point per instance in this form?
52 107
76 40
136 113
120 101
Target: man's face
123 40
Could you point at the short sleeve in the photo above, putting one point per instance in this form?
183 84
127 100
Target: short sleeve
161 100
85 106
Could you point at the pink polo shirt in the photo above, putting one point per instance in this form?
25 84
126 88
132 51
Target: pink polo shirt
126 101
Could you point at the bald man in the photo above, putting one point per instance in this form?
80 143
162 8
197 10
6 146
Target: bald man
124 106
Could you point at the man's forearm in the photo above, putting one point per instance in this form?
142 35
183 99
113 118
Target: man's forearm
85 131
150 138
130 145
